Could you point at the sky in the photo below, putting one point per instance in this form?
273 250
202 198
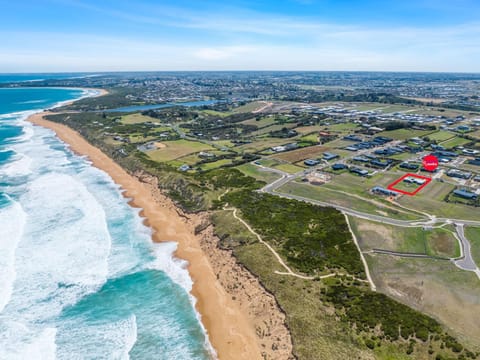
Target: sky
136 35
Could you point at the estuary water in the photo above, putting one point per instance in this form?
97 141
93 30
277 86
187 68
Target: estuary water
79 275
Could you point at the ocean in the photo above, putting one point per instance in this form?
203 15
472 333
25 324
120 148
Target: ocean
79 275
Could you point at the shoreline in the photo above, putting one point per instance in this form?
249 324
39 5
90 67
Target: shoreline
227 328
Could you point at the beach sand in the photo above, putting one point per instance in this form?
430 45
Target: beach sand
230 331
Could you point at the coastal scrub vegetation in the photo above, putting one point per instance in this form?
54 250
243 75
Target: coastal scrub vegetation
311 238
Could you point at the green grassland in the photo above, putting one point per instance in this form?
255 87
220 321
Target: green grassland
434 242
321 193
435 287
137 118
343 127
313 137
256 172
473 236
176 149
441 135
456 141
395 108
263 122
431 200
289 168
403 134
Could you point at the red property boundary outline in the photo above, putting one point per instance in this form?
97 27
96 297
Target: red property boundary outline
392 185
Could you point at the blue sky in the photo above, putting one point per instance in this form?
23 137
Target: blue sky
115 35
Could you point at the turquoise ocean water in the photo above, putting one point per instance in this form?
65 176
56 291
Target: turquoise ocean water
79 275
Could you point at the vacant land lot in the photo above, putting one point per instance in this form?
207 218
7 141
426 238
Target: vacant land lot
303 153
433 242
473 235
322 193
402 134
436 287
456 141
441 135
137 118
175 149
258 173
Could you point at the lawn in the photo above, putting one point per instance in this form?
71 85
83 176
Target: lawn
176 149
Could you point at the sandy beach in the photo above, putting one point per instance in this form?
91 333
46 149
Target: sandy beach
230 331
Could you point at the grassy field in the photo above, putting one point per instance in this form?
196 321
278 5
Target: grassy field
313 137
441 135
216 113
248 107
343 128
263 122
435 287
309 129
434 242
274 127
473 236
137 118
262 143
322 193
303 153
475 134
257 173
215 164
403 134
456 141
289 168
176 149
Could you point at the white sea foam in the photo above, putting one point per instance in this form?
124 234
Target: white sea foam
21 166
20 342
31 102
113 340
64 249
175 268
12 224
